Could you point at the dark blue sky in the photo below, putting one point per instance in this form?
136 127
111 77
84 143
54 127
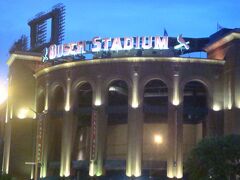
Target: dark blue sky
113 18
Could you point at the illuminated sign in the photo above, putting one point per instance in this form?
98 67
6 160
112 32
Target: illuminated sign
93 135
182 43
111 44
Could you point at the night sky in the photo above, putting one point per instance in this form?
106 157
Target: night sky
118 18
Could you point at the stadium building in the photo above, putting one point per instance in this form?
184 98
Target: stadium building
119 107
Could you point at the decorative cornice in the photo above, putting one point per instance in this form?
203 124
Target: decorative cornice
127 59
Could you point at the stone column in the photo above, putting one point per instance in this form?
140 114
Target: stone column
175 142
98 129
6 150
215 118
7 132
135 130
135 133
179 143
67 133
175 131
67 143
171 160
43 169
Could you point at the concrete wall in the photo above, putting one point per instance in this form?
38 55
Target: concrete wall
22 147
21 101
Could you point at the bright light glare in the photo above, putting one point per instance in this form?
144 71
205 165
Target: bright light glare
3 94
216 107
22 113
158 139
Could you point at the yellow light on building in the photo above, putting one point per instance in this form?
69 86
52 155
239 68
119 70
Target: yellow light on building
158 139
3 94
176 99
237 102
98 102
91 169
135 100
216 107
67 104
22 113
229 106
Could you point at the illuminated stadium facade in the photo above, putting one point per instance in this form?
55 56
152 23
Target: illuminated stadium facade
128 112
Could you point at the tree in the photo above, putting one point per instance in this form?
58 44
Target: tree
215 158
5 177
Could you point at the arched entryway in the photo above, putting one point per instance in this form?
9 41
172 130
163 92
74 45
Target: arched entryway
82 128
56 111
155 129
195 110
116 144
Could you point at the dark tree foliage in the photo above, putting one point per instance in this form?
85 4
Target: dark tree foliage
5 177
20 45
215 158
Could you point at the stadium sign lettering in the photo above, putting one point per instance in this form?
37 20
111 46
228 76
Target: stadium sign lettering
110 44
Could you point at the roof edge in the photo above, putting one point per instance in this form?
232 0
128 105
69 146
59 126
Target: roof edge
224 40
23 55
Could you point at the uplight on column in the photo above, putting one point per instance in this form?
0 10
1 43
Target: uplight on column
99 173
237 101
229 95
98 101
238 104
179 176
179 173
176 99
137 172
170 174
11 112
98 95
67 105
66 172
216 107
128 172
135 101
229 106
43 172
6 115
91 169
32 173
46 97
